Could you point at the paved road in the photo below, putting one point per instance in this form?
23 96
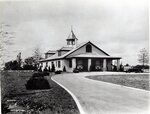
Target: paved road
97 97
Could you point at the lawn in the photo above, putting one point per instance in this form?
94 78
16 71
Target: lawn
53 101
140 81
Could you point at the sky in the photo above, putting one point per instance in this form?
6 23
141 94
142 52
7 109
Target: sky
119 27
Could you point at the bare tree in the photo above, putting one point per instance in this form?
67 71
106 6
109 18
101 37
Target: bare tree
37 55
143 57
6 39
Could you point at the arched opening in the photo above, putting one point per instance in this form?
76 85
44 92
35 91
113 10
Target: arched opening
88 48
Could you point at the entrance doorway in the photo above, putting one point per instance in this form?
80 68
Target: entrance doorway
82 64
96 65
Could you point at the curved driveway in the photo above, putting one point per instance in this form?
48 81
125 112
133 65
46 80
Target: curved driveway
97 97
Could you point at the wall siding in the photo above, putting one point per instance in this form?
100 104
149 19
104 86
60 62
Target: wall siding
83 50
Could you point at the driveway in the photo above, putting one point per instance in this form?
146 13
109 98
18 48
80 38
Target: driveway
97 97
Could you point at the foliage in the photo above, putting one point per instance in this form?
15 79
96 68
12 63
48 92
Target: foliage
143 56
38 74
76 70
58 72
141 67
37 81
53 67
95 68
54 101
12 65
49 69
64 69
29 61
29 67
121 68
46 69
114 68
37 55
5 108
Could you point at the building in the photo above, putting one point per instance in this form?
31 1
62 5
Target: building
84 56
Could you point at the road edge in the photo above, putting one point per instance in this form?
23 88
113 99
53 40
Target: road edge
73 96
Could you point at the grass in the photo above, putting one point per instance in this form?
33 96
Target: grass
140 81
53 101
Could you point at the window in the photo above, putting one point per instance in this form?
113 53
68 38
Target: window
70 63
59 64
73 42
88 48
59 53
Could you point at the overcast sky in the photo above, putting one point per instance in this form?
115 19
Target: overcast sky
119 27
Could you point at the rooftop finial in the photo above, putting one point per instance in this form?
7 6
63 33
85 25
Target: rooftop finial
71 28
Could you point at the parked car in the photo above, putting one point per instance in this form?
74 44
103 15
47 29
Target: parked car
136 70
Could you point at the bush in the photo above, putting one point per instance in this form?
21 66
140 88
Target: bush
64 69
76 70
5 108
37 81
45 73
12 65
38 74
53 68
58 72
28 67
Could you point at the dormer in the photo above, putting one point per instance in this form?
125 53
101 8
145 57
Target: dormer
49 53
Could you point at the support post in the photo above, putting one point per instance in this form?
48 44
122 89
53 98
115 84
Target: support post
74 63
89 64
104 64
118 64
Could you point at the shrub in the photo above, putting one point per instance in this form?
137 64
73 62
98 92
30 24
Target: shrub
64 69
76 70
12 65
53 68
37 81
45 73
58 72
40 69
38 74
5 108
28 67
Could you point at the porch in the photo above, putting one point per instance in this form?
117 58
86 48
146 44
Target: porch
95 64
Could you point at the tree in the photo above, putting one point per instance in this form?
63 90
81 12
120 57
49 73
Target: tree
12 65
37 55
6 40
143 57
29 61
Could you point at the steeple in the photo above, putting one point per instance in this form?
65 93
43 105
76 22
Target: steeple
72 39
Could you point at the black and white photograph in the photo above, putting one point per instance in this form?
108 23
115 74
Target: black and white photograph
74 57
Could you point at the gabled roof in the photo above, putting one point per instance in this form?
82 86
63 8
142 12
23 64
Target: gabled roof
66 48
51 51
81 45
55 56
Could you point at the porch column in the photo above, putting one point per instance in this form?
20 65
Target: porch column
118 64
104 64
74 63
89 64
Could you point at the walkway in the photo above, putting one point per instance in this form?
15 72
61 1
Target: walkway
97 97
